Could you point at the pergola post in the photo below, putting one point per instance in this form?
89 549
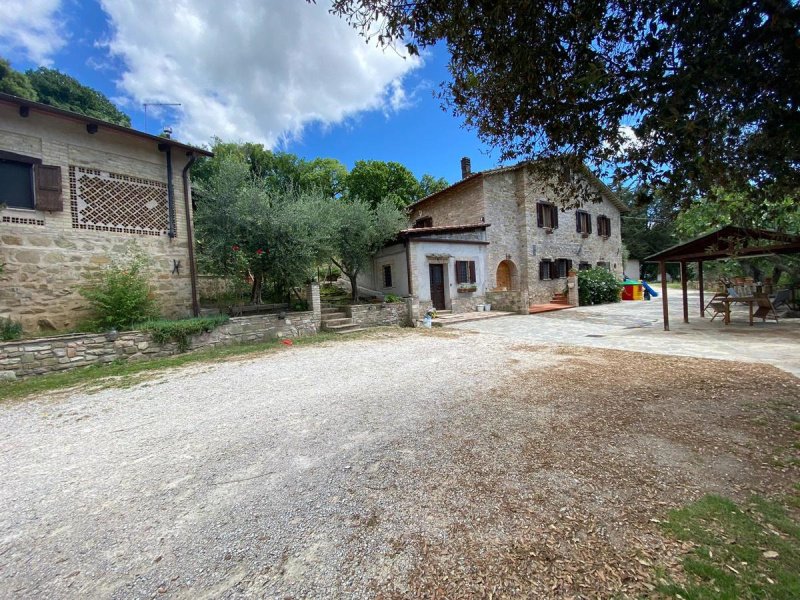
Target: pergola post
664 304
702 290
684 289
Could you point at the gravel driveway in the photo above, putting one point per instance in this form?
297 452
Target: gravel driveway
396 465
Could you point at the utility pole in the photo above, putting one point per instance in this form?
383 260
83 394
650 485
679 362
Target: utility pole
146 104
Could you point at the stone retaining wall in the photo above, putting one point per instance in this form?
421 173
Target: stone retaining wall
511 301
374 315
59 353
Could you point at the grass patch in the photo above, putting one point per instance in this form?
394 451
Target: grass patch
125 374
728 561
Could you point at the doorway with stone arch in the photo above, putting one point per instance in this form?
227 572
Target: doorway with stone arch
506 279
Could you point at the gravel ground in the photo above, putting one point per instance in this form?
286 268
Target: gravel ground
406 464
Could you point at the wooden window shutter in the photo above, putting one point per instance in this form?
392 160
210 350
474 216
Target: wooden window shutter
539 215
588 223
554 220
48 188
542 265
578 222
472 278
460 271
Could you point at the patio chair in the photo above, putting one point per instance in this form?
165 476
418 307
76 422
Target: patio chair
716 307
765 308
781 298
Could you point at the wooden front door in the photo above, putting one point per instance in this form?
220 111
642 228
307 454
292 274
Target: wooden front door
437 286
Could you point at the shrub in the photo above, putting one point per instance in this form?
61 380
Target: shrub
597 286
392 298
10 330
119 295
179 330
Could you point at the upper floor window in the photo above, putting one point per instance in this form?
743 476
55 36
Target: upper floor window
423 222
465 271
546 215
387 276
583 222
604 226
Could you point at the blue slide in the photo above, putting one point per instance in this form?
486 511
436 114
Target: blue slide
651 291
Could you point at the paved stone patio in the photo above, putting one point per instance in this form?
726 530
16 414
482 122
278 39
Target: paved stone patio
639 326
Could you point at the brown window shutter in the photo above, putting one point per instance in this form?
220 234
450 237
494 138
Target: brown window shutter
539 216
48 188
459 278
472 278
554 210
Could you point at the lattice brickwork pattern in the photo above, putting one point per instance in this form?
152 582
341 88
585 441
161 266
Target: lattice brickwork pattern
103 201
23 221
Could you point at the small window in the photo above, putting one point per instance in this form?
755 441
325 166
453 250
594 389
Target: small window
16 184
423 222
583 222
387 276
604 265
546 215
584 266
604 226
546 269
465 271
563 265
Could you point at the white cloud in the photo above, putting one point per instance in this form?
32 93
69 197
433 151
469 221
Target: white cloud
31 28
249 69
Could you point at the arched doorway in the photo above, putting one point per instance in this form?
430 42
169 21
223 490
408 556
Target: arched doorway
506 276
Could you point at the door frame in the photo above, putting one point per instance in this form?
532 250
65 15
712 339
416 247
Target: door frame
445 296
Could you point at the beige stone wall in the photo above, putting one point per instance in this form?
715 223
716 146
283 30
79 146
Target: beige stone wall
463 205
47 259
565 241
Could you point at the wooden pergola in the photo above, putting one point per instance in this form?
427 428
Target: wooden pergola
727 242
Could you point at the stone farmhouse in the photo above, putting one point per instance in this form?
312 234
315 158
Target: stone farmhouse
75 194
501 237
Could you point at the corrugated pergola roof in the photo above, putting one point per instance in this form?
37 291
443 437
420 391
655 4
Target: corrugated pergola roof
730 242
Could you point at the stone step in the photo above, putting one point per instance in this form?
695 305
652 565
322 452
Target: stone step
342 328
346 331
336 315
331 309
338 321
443 313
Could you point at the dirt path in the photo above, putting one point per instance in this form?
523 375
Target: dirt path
412 464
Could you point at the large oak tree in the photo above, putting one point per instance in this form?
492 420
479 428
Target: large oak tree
688 96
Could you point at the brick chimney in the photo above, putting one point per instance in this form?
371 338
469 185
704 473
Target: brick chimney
466 167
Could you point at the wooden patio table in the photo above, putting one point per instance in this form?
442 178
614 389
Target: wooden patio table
728 300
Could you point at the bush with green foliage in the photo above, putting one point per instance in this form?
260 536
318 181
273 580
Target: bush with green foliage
10 330
392 299
119 295
180 330
598 286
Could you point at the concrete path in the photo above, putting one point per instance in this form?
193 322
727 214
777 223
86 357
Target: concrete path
639 326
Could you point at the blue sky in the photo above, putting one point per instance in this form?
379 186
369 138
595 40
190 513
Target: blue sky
281 72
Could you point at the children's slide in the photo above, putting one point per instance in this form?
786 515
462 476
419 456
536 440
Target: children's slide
650 290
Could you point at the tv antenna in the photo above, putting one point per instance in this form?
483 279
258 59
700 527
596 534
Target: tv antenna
146 104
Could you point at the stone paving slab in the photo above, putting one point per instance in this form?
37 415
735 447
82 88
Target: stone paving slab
468 316
638 326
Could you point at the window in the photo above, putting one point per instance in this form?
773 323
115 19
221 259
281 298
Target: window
584 266
16 184
387 276
26 183
604 265
583 222
546 269
563 265
546 215
423 222
604 226
465 271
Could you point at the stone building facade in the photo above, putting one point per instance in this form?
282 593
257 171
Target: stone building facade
533 240
77 194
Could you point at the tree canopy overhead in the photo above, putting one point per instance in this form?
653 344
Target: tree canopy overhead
689 97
